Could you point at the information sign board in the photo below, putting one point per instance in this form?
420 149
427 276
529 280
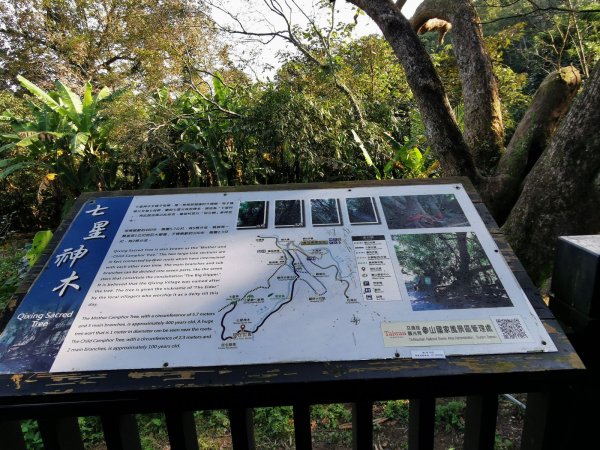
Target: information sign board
231 278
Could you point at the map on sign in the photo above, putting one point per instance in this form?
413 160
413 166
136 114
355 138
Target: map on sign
298 269
230 278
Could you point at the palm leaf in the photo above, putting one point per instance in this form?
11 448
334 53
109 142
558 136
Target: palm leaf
40 242
78 141
39 93
6 162
7 146
72 102
365 153
35 137
16 167
221 91
155 173
104 92
88 108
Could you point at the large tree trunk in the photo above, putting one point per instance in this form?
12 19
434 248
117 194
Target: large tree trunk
561 194
550 103
484 130
442 130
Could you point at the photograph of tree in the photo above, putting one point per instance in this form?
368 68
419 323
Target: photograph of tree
325 211
362 211
252 214
448 271
423 211
289 213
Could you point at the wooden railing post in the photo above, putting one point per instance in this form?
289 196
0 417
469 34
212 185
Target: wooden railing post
121 432
362 425
12 435
421 423
61 433
547 424
480 422
181 427
242 428
302 431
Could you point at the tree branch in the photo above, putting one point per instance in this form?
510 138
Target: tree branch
540 11
484 129
442 131
114 59
561 194
550 103
430 9
288 34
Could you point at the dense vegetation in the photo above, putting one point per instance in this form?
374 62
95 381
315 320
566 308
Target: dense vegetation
209 124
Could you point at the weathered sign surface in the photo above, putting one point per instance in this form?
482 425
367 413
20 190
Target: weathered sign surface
228 278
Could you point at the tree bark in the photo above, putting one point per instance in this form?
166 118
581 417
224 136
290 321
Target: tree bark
464 262
484 130
561 194
442 130
550 103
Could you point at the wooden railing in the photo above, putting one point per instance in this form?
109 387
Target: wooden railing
59 427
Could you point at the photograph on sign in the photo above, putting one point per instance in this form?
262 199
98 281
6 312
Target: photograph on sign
325 211
289 213
423 211
252 214
448 271
362 211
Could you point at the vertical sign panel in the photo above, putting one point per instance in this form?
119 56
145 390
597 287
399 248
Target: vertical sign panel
36 332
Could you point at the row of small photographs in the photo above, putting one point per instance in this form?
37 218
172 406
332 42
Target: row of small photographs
400 212
290 213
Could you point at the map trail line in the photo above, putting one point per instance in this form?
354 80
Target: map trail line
290 262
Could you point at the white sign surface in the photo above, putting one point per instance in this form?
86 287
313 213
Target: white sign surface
307 275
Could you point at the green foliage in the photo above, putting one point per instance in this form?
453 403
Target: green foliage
10 102
153 427
502 443
450 415
274 427
64 142
408 157
6 226
545 38
366 155
215 420
326 421
122 42
40 241
31 433
12 269
396 410
218 128
202 126
512 85
91 430
298 129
